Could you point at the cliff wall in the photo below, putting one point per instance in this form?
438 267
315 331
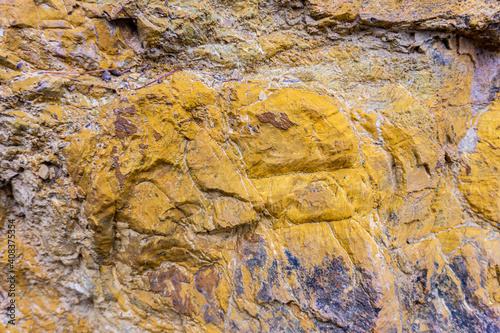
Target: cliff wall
299 166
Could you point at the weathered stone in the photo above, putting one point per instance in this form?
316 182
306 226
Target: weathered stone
44 171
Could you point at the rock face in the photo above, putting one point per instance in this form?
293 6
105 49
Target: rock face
315 165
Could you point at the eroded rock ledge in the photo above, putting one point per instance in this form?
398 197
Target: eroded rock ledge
314 166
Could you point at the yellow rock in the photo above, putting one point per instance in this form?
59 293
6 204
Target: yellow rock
479 176
312 124
305 198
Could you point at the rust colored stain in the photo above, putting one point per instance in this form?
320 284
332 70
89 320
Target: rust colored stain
159 282
116 165
282 122
206 281
124 127
157 136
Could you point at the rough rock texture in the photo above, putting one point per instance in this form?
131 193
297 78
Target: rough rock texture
316 165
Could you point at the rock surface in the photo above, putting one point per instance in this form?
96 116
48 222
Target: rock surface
315 165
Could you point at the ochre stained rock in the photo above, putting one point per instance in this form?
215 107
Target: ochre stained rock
250 166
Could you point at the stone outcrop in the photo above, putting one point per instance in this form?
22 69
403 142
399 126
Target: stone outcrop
251 166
